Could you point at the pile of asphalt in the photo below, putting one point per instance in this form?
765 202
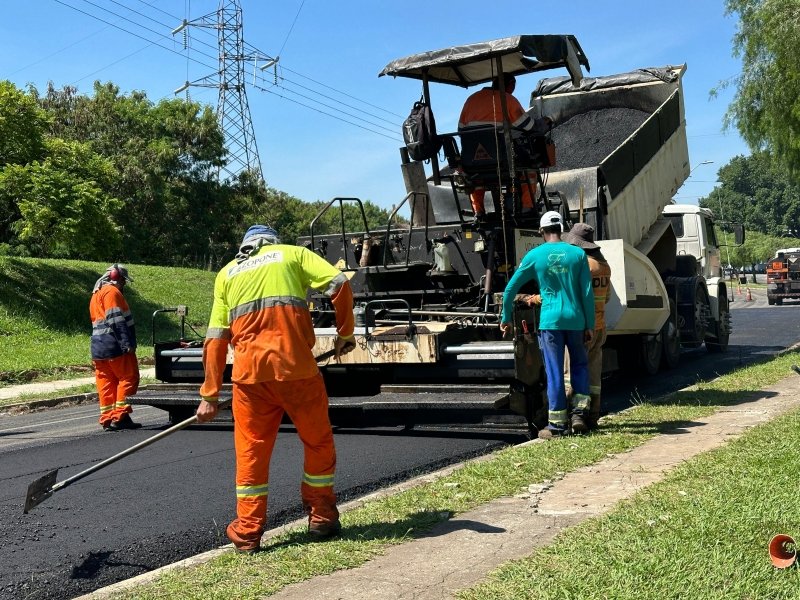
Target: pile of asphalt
585 139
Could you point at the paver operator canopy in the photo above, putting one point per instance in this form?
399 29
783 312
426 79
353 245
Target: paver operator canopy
473 64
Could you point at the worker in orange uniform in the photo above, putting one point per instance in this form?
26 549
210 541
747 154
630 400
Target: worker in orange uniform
483 108
582 236
260 309
113 347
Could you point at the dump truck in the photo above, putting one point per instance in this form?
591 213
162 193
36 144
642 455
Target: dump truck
428 293
783 276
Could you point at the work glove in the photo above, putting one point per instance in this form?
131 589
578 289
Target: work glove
533 299
343 345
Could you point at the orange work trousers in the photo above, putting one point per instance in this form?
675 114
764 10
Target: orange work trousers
527 192
116 379
257 412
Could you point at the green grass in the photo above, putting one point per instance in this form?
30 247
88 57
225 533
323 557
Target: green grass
701 533
44 312
370 529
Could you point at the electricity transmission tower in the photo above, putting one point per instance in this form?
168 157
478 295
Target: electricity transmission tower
233 110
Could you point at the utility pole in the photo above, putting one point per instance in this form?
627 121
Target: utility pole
233 110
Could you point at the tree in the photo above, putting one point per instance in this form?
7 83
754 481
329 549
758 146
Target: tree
758 192
22 126
165 157
62 206
766 107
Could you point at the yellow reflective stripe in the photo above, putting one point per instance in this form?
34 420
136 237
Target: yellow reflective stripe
105 409
318 480
557 417
594 389
252 491
211 399
122 404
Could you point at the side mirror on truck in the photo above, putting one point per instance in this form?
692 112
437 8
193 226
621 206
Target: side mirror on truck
738 233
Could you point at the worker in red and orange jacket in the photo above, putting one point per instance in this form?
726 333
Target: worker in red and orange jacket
260 309
113 347
483 108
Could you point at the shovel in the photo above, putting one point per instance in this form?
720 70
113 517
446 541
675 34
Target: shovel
44 487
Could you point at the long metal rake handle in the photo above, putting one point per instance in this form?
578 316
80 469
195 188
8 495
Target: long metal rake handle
112 459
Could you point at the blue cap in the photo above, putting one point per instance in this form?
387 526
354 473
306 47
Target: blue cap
264 231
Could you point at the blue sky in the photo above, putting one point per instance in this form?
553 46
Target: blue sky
339 47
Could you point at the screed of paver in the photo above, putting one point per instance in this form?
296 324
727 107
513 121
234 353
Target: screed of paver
462 551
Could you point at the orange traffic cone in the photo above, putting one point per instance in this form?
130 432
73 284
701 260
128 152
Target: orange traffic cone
749 297
782 551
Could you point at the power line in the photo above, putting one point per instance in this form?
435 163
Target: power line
343 93
126 19
127 56
290 29
125 30
268 91
214 68
394 124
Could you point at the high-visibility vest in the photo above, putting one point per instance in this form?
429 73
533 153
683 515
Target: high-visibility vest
113 329
260 308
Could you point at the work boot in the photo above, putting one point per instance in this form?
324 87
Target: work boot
107 426
578 424
593 416
550 432
243 545
124 422
324 530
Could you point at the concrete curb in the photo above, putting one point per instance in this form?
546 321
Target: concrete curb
33 405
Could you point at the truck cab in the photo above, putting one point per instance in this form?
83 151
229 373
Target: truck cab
694 230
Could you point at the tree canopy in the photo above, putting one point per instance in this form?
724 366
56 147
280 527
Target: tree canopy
114 176
766 106
758 192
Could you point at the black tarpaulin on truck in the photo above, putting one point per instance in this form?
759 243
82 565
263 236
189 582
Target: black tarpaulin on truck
564 85
473 64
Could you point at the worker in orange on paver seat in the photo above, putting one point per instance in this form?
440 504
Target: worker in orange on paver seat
113 347
260 309
484 107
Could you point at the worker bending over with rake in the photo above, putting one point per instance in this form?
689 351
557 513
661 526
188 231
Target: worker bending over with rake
260 309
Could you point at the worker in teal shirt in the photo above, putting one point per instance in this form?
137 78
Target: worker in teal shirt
566 321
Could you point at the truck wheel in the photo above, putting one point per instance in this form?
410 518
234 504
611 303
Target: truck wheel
670 340
770 300
722 328
779 301
700 319
651 353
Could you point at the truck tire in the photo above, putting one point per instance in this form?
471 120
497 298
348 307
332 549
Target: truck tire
770 299
722 328
671 339
651 351
778 301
